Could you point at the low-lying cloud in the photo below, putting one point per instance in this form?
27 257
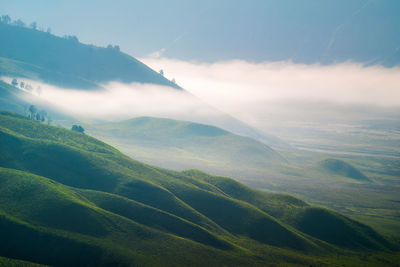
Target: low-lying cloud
240 82
260 92
257 93
119 101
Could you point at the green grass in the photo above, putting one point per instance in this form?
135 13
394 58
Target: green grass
185 145
7 262
317 222
69 199
342 168
390 228
350 185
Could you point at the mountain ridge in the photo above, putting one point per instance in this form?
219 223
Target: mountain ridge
53 59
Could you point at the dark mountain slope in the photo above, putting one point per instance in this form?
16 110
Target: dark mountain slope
17 263
66 62
22 241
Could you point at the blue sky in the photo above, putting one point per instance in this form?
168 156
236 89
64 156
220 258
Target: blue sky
305 31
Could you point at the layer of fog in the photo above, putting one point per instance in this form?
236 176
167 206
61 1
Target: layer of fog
264 95
116 101
271 94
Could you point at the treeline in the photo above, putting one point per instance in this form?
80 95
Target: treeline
26 86
33 113
6 19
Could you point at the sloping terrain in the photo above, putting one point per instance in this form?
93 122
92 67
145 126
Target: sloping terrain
66 62
185 145
342 168
10 98
79 201
16 263
317 222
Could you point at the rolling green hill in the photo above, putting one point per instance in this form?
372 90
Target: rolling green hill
317 222
66 62
342 168
69 199
185 145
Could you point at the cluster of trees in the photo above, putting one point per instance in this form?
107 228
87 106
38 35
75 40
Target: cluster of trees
162 73
6 19
71 38
78 128
26 86
113 48
38 115
41 116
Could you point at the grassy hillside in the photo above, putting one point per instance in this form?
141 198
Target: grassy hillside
342 168
82 202
17 263
185 145
317 222
66 62
100 167
41 209
10 98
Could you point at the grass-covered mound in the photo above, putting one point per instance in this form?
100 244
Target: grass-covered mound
185 145
66 224
320 223
342 168
69 199
337 229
